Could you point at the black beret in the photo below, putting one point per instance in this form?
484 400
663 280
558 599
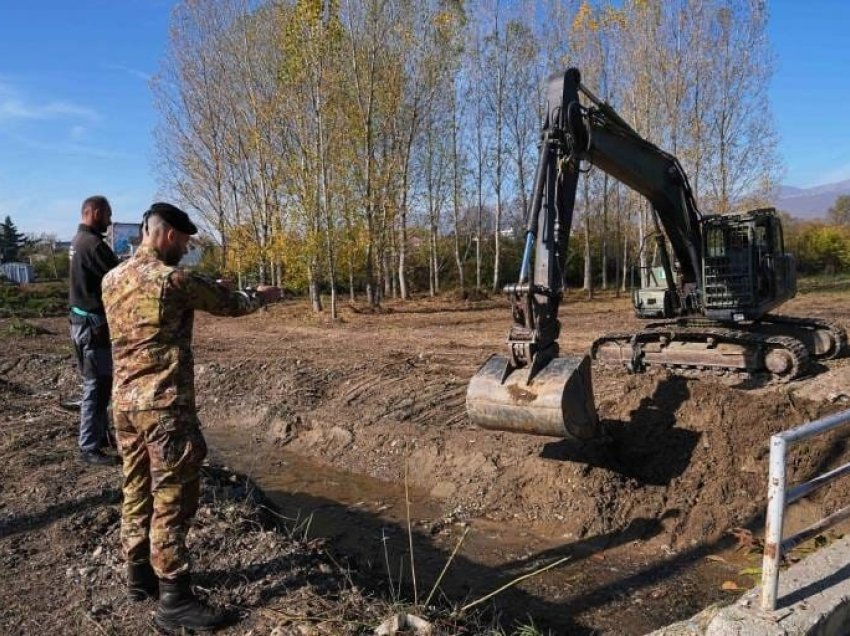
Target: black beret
174 216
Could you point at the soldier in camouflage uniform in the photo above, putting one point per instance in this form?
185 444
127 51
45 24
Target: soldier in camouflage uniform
150 305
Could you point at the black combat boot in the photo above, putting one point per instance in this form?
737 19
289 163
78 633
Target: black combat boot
98 457
180 608
142 583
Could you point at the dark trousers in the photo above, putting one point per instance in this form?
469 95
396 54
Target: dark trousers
90 337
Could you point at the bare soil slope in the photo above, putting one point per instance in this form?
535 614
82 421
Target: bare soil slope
383 389
60 550
379 392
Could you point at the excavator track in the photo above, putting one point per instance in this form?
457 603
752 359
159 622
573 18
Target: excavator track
715 350
824 339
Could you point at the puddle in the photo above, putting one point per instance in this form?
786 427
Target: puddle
612 584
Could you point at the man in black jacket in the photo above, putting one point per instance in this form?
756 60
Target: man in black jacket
91 258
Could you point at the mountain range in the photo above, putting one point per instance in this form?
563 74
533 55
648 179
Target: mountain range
810 203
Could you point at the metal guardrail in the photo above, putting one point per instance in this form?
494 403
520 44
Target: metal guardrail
779 497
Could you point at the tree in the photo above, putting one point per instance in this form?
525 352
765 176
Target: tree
191 93
498 60
317 137
742 160
475 91
309 43
824 249
11 241
839 213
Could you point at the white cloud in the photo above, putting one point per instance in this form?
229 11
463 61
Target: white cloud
15 106
77 132
72 148
34 215
840 173
142 75
57 211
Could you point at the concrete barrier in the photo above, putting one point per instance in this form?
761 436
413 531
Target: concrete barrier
813 600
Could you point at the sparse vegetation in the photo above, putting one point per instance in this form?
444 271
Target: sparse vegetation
38 300
20 328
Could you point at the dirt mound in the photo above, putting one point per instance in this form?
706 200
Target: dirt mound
60 547
687 458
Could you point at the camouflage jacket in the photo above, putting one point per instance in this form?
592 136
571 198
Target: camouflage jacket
150 307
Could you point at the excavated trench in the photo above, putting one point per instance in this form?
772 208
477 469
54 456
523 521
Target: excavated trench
599 582
652 527
334 420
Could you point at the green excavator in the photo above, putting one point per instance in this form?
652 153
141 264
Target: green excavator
719 278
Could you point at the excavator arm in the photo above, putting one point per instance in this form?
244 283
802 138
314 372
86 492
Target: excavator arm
535 389
537 293
572 134
619 151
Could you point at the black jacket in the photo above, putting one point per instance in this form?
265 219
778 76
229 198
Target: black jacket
91 258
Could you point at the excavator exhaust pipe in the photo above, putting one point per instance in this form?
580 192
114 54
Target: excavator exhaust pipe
557 401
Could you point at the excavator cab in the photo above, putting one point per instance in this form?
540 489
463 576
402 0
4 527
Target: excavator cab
745 271
745 268
533 389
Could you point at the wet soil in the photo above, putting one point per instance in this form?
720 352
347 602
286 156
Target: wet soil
336 421
60 552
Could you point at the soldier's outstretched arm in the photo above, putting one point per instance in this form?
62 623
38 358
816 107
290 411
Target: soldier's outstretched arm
200 292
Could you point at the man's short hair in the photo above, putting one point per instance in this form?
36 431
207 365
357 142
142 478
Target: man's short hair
95 203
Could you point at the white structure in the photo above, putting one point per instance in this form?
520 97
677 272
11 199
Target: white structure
123 238
18 272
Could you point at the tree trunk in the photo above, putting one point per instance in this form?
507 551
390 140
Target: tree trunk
351 295
604 237
402 255
588 260
313 287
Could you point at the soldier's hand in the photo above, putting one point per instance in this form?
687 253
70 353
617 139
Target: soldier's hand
269 293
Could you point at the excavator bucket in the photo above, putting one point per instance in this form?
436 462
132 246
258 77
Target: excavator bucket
557 401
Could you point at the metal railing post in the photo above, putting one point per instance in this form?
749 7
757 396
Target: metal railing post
773 523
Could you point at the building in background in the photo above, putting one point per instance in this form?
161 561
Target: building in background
22 273
124 238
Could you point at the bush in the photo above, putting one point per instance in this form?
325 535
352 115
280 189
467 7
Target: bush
20 328
36 300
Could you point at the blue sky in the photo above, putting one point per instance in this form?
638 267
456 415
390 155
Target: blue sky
810 93
76 112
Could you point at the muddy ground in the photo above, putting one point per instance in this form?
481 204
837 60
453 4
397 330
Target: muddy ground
60 553
379 398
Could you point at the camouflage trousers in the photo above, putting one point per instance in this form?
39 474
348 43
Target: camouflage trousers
162 451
